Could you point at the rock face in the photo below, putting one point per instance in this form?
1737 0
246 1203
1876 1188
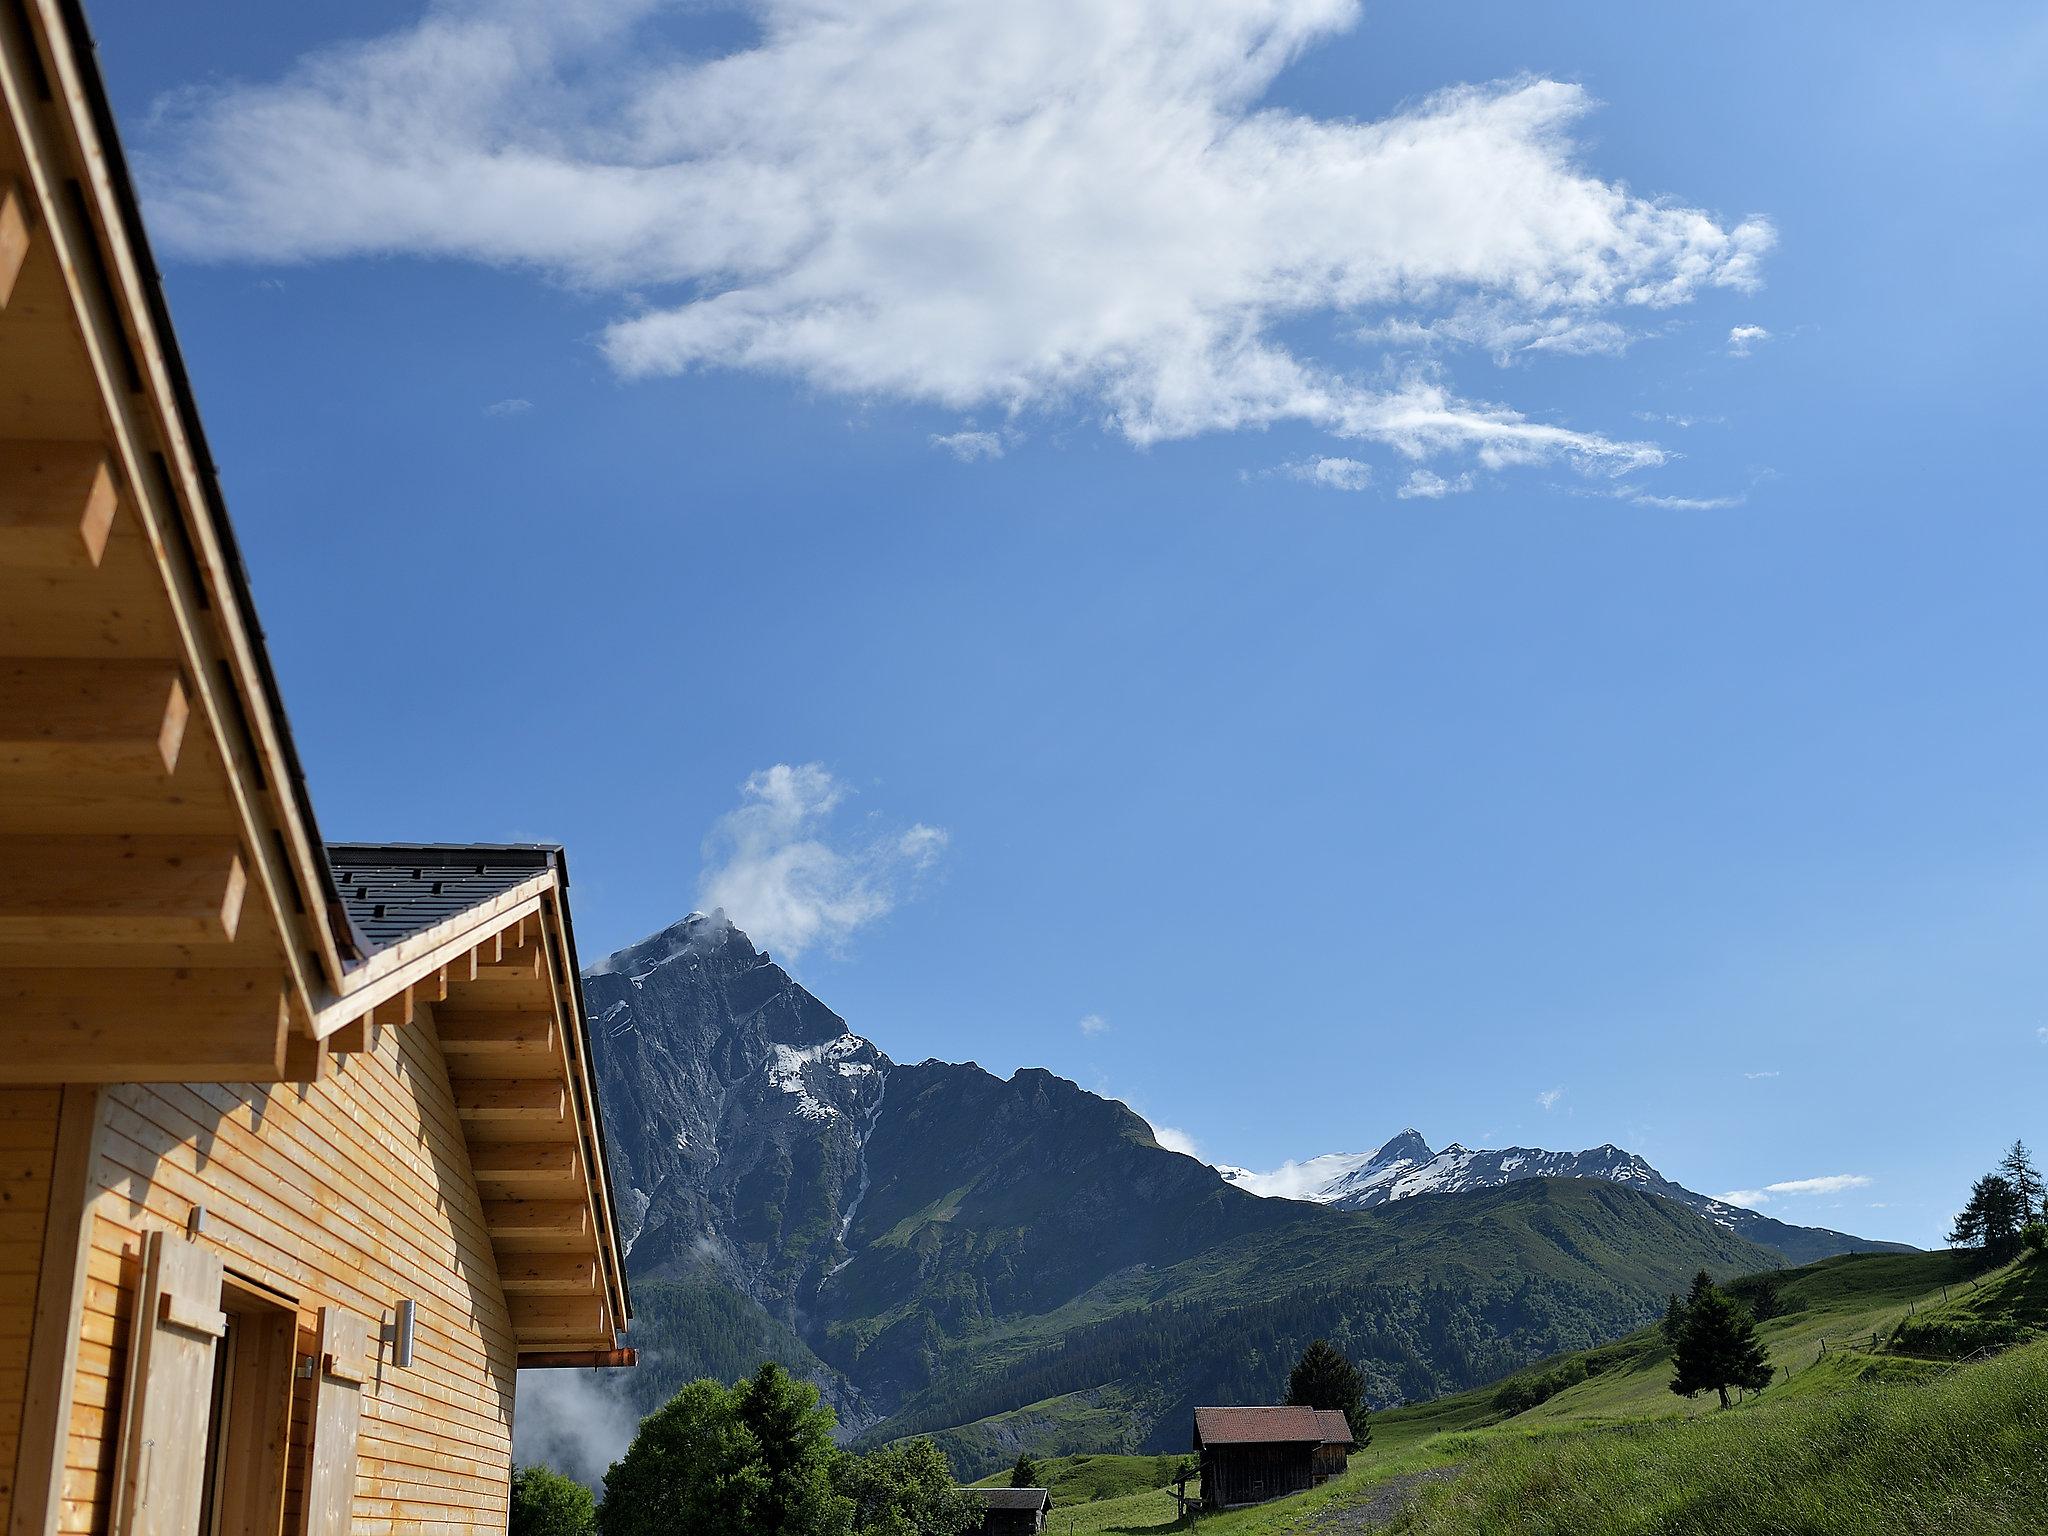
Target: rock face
736 1109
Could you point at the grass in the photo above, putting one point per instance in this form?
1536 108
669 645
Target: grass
1965 1454
1851 1442
1094 1479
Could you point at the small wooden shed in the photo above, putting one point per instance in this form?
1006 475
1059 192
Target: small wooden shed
1011 1511
300 1158
1250 1455
1335 1452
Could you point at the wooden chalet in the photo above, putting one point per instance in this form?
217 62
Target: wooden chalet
1250 1455
1334 1454
1011 1511
300 1158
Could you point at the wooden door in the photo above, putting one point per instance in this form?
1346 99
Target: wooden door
161 1471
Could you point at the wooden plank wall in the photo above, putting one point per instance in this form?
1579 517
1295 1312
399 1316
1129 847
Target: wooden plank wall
28 1140
353 1192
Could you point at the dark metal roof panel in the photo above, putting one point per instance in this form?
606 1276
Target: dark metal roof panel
392 891
1257 1426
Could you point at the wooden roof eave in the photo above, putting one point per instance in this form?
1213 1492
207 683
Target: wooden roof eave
417 963
90 218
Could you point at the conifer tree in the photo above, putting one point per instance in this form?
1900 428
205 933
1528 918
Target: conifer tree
1992 1219
1323 1378
2018 1168
1717 1345
1025 1473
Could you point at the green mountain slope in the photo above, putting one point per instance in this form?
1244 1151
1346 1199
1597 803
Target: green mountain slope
1430 1294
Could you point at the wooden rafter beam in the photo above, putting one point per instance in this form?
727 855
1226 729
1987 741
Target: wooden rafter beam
57 505
547 1318
545 1219
512 1099
120 890
520 1167
465 1035
14 236
91 717
548 1274
129 1026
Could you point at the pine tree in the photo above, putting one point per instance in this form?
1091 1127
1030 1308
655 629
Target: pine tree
1323 1378
1717 1345
1674 1320
1025 1473
2018 1168
1992 1219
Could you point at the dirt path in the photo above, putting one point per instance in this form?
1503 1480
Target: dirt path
1377 1510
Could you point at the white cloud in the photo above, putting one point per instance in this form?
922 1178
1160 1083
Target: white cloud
1827 1184
1051 204
1745 339
1758 1076
1549 1097
1093 1024
969 446
2041 1034
508 407
1176 1140
771 868
1432 486
1332 474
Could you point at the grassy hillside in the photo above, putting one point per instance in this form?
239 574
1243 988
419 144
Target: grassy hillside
1960 1455
1075 1480
1847 1433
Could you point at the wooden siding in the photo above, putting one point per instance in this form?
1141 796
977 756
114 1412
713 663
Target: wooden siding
28 1140
352 1192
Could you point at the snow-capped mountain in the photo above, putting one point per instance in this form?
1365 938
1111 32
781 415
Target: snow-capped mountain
1405 1166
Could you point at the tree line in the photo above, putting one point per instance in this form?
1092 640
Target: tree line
757 1456
2007 1208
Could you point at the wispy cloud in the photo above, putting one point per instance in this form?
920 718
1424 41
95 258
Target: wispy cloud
1549 1098
1432 486
508 407
1332 474
1175 1139
2041 1034
968 446
1021 206
1093 1024
1745 339
1827 1184
1758 1076
778 871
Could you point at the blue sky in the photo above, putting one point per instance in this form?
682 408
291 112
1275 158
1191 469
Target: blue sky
1003 425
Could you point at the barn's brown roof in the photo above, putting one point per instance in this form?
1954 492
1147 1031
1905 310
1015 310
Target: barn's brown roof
1257 1426
1336 1428
1009 1498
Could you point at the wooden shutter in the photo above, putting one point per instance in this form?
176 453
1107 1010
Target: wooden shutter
161 1470
341 1365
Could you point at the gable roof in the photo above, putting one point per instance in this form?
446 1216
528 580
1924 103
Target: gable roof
1257 1426
395 891
1010 1498
1336 1428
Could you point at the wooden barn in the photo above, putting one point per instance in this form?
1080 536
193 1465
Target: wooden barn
299 1153
1249 1455
1011 1511
1334 1453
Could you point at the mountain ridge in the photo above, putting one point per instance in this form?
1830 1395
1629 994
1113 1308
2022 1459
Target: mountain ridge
924 1240
1404 1166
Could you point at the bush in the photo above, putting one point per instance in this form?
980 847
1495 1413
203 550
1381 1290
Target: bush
545 1503
2036 1238
1521 1393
